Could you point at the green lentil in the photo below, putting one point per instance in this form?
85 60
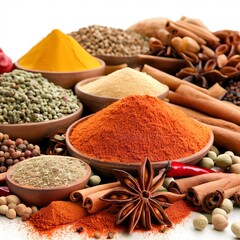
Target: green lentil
28 97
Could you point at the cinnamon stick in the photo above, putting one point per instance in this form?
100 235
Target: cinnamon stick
199 31
197 194
226 139
170 197
204 118
181 185
191 98
80 195
93 203
182 32
212 201
217 91
236 198
215 199
172 82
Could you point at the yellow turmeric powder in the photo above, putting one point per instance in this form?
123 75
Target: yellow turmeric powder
58 52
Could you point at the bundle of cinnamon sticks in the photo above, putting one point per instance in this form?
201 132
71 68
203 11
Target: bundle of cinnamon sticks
208 190
205 106
90 197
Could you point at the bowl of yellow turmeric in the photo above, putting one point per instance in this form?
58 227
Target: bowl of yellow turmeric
61 59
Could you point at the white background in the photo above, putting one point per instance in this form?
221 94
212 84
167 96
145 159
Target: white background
23 23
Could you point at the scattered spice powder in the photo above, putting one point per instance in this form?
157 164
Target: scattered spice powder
125 82
101 222
60 171
104 221
56 214
137 127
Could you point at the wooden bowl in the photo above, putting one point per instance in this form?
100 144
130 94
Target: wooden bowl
43 196
68 79
165 64
131 61
95 103
105 168
36 132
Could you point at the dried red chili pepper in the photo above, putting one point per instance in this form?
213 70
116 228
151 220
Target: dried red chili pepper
6 64
4 191
179 169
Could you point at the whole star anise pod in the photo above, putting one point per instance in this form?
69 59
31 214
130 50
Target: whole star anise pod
140 198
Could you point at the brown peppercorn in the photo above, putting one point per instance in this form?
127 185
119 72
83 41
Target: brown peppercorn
97 235
25 216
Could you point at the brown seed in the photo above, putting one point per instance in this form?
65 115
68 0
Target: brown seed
97 235
25 216
110 235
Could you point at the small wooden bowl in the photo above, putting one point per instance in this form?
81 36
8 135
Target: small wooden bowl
68 79
36 132
95 103
43 196
131 61
105 168
165 64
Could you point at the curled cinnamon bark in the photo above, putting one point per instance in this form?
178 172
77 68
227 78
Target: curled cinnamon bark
212 200
236 198
181 185
200 31
182 32
197 194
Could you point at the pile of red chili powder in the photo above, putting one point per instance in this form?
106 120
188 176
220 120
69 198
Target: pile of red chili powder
137 127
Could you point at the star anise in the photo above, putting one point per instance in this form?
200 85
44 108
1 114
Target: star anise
140 197
57 144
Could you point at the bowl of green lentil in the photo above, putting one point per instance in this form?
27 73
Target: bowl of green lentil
32 108
40 180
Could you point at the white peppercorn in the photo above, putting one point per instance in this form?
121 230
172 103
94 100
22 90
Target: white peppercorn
219 222
235 227
227 205
200 222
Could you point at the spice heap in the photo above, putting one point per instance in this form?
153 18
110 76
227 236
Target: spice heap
60 171
137 127
28 97
14 151
233 91
100 40
57 213
58 52
125 82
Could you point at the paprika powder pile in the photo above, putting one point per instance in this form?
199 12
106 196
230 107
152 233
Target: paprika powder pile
137 127
57 213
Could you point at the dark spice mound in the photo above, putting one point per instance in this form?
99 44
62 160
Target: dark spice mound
233 91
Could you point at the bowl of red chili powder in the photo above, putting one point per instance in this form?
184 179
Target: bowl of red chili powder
133 128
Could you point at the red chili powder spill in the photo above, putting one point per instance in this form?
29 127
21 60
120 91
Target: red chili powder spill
105 221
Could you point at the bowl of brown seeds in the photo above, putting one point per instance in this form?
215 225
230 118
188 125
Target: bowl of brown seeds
40 180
